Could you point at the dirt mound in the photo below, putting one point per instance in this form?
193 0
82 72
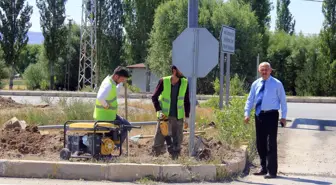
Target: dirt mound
208 150
19 143
9 103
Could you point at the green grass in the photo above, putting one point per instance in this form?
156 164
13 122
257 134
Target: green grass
18 84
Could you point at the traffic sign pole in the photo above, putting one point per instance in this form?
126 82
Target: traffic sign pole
192 23
221 80
227 84
228 37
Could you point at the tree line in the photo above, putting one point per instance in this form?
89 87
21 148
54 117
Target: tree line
138 31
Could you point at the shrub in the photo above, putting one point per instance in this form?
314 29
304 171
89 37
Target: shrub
238 87
4 73
36 76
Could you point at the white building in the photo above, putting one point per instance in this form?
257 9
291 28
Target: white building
138 72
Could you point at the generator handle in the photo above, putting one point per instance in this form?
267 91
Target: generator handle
131 126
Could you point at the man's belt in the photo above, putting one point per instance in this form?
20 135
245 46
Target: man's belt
268 111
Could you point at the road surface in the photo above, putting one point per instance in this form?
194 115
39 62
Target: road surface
284 180
295 110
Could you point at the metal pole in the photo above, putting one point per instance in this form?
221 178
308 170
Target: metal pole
126 115
193 23
257 74
221 80
227 79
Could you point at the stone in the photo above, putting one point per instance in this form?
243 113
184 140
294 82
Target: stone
15 123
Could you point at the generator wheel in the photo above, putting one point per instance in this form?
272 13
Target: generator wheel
65 154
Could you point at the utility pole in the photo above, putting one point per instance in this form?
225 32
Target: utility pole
68 58
88 45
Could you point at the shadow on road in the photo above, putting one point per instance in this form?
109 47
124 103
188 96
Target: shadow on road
276 181
303 180
316 122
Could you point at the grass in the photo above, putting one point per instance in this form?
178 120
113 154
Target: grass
18 84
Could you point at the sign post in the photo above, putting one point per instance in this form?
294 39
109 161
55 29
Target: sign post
195 54
227 37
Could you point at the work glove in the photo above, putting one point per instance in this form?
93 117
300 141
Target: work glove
186 122
161 115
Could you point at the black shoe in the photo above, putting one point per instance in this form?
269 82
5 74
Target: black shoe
262 172
270 176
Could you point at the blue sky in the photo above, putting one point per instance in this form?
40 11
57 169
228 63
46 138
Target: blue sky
308 15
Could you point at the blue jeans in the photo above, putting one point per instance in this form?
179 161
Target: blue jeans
124 132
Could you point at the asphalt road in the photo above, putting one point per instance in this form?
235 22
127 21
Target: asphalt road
295 110
283 180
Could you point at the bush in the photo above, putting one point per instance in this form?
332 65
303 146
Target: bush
231 124
238 87
36 76
4 73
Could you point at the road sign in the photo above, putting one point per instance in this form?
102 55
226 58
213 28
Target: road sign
195 54
228 39
205 50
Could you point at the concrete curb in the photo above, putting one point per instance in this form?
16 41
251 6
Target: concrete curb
292 99
116 171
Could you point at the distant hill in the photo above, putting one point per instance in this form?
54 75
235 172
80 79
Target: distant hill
35 37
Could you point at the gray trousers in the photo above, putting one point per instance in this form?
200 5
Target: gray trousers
175 130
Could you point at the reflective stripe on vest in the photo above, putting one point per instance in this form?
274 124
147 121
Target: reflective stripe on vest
165 98
109 114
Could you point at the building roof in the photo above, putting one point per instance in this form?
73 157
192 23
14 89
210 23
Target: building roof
141 65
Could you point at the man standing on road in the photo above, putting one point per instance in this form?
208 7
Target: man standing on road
171 100
106 106
267 94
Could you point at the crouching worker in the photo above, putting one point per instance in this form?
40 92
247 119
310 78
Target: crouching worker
106 107
171 101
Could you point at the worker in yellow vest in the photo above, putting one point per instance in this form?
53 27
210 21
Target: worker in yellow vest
171 101
106 107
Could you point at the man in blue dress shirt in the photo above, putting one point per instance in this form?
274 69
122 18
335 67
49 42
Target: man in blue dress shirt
267 94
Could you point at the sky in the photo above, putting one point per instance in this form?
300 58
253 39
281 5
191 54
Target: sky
308 15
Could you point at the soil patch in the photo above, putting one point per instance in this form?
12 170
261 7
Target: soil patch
210 151
9 103
31 144
17 143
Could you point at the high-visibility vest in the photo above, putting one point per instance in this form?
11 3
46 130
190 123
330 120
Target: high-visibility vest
100 113
165 98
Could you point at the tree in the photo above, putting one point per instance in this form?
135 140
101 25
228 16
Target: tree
14 26
29 55
52 16
285 20
328 37
109 35
262 9
139 17
171 19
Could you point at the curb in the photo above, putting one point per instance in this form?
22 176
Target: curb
292 99
116 171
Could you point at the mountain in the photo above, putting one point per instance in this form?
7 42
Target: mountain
35 37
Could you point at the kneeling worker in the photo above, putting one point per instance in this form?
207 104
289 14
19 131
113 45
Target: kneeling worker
106 107
171 101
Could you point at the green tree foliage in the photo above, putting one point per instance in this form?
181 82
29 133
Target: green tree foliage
29 55
328 38
14 25
109 36
262 9
139 18
52 16
285 20
171 19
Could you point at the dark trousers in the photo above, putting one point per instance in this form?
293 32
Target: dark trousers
266 133
124 132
